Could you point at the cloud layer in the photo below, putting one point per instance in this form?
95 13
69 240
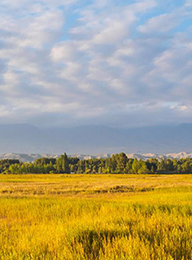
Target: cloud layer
69 62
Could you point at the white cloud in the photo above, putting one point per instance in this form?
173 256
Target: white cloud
99 60
161 23
63 52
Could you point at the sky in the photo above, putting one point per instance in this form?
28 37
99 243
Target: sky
117 63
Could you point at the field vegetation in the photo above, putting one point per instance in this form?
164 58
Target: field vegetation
96 217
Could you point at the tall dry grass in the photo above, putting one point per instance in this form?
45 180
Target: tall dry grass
96 217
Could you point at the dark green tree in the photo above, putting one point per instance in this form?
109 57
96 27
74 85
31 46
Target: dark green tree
62 164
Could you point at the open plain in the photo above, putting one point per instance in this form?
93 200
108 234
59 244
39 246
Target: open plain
104 217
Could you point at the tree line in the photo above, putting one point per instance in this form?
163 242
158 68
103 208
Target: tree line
116 164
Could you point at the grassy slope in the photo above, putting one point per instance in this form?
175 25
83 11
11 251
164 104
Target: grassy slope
96 217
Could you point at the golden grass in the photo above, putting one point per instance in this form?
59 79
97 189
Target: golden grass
60 184
91 217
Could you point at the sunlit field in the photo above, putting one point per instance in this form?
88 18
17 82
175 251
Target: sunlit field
106 217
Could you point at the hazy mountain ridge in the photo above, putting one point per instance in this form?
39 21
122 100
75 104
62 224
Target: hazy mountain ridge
23 139
32 157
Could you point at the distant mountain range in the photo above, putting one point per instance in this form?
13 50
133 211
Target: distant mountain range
32 157
21 138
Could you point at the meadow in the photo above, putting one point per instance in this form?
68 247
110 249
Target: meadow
96 217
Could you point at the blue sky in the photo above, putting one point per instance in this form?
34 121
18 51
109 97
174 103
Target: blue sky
104 62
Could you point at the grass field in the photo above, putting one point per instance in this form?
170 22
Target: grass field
106 217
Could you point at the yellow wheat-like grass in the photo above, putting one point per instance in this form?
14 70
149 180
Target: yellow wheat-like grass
90 217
